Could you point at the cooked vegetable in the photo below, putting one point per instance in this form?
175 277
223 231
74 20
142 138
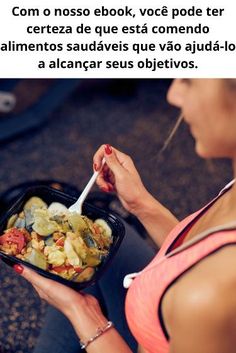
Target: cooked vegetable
103 224
77 223
55 256
15 236
20 223
77 243
29 219
53 239
62 268
35 257
42 224
57 208
49 240
11 221
89 241
35 202
86 275
92 260
72 256
60 241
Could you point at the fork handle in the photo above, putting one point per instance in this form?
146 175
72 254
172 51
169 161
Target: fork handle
87 188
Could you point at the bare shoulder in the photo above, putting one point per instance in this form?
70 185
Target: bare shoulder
203 306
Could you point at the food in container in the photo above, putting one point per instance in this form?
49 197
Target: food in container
51 238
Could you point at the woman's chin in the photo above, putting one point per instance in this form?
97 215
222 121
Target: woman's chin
204 152
207 153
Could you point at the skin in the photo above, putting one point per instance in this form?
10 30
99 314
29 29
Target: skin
199 309
208 107
82 310
119 174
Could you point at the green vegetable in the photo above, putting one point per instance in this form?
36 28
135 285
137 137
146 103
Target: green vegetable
35 202
42 224
49 241
11 221
37 258
77 223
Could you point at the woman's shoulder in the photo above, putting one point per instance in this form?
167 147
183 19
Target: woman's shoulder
204 304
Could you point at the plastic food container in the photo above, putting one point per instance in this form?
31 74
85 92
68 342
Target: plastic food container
50 195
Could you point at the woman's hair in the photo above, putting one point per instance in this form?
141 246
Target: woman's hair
172 133
231 86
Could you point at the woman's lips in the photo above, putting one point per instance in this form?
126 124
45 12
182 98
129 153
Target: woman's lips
189 123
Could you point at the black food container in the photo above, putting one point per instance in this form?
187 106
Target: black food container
50 195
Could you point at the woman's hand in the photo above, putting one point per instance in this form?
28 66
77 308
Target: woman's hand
83 310
119 174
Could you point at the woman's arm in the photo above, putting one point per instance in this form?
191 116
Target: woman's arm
82 310
109 342
120 175
156 218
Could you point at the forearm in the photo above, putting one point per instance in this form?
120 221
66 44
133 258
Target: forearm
108 342
156 218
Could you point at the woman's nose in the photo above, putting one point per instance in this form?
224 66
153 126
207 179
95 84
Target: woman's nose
175 93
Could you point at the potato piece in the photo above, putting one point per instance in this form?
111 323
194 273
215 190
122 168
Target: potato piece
11 221
36 258
106 228
35 202
76 222
85 275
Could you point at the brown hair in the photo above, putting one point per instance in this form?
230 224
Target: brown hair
172 133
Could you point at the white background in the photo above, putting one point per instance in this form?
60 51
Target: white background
25 64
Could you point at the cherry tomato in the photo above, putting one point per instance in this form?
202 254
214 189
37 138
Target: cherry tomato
15 236
62 268
96 228
78 269
60 241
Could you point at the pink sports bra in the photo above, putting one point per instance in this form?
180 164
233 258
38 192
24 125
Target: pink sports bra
143 300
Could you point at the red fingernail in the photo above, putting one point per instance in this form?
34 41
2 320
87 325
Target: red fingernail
110 188
104 189
18 268
108 149
95 167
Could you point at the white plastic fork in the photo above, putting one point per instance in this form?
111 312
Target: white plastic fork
77 206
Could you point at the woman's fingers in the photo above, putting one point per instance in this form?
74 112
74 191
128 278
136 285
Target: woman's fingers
113 163
106 150
118 171
104 180
36 280
40 292
56 294
104 185
98 157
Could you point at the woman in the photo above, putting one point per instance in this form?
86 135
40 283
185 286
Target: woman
184 300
